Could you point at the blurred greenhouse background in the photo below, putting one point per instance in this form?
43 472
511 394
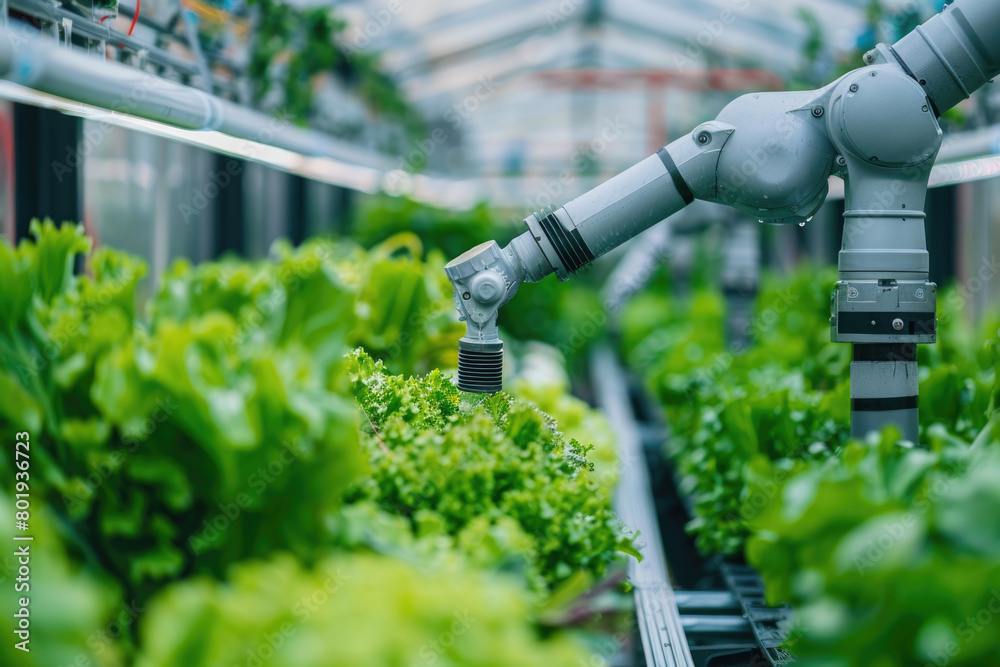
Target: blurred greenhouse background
237 371
523 105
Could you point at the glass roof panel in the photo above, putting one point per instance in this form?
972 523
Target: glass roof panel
523 86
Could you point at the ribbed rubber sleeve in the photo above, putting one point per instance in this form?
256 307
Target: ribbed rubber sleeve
480 372
570 246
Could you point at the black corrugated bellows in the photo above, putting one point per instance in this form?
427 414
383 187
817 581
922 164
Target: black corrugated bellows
570 246
480 367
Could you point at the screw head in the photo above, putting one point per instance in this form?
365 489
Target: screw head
466 296
818 111
486 291
841 160
873 322
854 88
925 108
704 138
897 324
920 293
852 293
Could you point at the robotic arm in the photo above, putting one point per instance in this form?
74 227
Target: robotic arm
770 155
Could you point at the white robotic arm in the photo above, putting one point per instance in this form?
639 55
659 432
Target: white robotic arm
770 155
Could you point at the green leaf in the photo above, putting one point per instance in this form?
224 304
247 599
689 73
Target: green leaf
55 251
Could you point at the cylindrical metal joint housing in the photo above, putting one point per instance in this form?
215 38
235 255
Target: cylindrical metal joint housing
885 244
955 53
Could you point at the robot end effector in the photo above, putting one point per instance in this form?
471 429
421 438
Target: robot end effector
769 155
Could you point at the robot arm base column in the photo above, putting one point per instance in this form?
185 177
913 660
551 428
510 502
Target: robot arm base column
884 388
884 304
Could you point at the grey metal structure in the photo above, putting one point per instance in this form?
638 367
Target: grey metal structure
678 628
29 59
770 155
35 69
661 628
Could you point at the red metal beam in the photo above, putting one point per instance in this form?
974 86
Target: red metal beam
717 79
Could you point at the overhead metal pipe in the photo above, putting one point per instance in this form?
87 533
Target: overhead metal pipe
32 61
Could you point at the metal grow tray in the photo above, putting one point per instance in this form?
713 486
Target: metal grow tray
723 621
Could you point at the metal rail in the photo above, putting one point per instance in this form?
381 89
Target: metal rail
75 82
664 641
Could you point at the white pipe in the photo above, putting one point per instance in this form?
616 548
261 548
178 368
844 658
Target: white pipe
29 59
34 62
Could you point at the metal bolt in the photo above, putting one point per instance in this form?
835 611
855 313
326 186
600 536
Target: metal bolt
874 74
817 111
486 291
870 57
925 108
873 322
897 324
854 87
920 293
704 138
466 296
852 293
841 160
